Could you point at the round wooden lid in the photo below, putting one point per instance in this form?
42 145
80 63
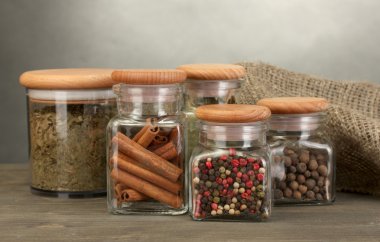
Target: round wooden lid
213 71
67 79
294 105
232 113
148 77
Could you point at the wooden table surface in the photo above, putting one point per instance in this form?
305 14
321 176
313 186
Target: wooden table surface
26 217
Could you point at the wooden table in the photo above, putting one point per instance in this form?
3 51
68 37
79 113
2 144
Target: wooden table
26 217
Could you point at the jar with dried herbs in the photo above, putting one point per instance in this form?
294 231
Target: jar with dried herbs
229 172
303 164
207 84
145 144
68 111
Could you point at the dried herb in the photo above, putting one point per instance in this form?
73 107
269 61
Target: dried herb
67 146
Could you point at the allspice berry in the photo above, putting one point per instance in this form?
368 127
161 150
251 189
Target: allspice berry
322 170
301 167
291 177
287 161
304 156
307 174
294 185
315 175
313 165
278 194
310 194
321 181
282 185
297 195
288 192
301 179
302 189
310 183
319 197
316 189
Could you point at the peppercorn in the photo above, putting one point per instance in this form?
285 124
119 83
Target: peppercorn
287 161
292 169
297 195
307 174
301 179
316 189
288 192
315 175
290 177
304 156
310 195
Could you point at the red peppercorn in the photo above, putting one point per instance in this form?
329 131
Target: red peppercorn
249 184
226 185
214 206
205 171
224 181
196 170
249 192
223 157
235 170
250 173
206 193
224 192
250 160
260 177
245 177
256 166
230 180
235 163
232 152
219 180
209 164
244 195
242 162
239 174
230 193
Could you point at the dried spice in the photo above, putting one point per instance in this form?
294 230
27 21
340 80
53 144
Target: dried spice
230 186
301 174
68 144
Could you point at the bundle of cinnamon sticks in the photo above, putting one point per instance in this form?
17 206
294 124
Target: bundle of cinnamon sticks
148 165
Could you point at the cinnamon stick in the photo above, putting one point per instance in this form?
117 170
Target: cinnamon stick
148 159
148 136
158 140
167 151
150 123
129 165
147 188
125 194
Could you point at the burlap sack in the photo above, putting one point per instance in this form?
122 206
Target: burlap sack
353 121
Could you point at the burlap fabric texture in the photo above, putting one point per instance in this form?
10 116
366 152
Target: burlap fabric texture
353 121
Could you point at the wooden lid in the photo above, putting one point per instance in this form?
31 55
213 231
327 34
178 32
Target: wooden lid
148 77
232 113
67 79
294 105
213 71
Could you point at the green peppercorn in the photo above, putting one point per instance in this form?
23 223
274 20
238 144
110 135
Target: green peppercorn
216 200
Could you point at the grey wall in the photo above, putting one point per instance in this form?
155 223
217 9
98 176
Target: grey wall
332 38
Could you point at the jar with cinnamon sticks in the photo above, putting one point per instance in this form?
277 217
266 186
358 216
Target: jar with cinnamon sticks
146 171
303 164
68 112
208 84
230 171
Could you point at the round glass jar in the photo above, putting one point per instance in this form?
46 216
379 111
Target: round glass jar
146 173
207 84
303 164
68 111
229 172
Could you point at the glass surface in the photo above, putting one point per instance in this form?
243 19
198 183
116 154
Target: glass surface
230 173
202 92
303 164
140 176
67 144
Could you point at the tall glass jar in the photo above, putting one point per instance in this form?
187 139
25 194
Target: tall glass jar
146 173
68 111
207 84
230 169
303 164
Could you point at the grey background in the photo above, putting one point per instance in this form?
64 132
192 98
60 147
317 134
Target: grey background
331 38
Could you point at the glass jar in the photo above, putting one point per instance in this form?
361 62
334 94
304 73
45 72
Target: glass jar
68 111
146 173
207 84
303 164
230 169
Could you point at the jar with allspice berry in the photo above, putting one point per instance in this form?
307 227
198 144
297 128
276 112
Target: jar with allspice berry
302 155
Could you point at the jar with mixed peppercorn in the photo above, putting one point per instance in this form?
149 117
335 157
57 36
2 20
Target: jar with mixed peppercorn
229 169
303 165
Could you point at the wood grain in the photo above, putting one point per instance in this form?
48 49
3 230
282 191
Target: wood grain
294 105
213 71
148 76
26 217
67 79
